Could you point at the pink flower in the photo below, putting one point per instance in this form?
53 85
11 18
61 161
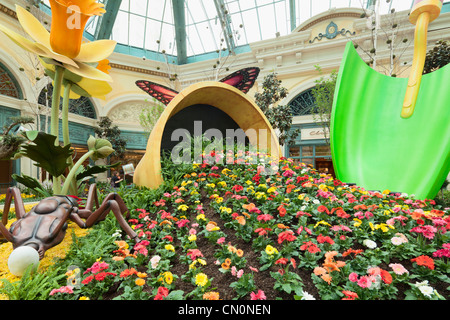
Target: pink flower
398 268
258 296
183 222
97 267
64 289
365 282
353 277
221 240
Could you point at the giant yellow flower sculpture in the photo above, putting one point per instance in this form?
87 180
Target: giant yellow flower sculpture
71 64
63 45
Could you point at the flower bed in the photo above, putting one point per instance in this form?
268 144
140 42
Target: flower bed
231 232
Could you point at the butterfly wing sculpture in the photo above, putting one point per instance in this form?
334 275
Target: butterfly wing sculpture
243 80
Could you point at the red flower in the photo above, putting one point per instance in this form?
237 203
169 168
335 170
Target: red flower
386 276
310 246
349 295
282 261
87 280
322 208
281 211
162 293
237 188
287 235
323 239
424 261
102 275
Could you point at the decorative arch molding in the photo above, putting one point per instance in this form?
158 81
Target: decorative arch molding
124 100
302 87
23 83
354 13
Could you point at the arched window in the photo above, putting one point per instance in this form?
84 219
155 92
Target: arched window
303 103
82 106
8 84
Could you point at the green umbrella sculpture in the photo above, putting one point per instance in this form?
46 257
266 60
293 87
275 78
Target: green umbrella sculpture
385 133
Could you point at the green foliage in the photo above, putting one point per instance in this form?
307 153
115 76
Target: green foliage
32 286
280 117
150 115
52 158
106 130
32 184
437 57
10 143
323 94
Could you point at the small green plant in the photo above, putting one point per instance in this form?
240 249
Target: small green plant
32 285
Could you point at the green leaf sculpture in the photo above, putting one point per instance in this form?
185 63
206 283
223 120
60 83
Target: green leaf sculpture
42 149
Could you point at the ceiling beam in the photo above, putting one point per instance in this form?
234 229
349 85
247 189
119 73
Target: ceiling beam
179 16
106 23
225 23
292 14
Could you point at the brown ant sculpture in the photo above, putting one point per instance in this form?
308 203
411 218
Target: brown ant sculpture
45 225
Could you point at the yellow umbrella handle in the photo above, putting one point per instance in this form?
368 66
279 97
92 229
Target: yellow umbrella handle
422 13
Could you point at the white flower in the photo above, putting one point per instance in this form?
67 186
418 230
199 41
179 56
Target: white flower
155 261
427 291
397 241
420 284
307 296
370 244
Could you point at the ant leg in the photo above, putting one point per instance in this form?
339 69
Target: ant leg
92 198
105 208
19 208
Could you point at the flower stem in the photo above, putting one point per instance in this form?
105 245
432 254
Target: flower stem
56 98
65 114
72 172
65 131
54 120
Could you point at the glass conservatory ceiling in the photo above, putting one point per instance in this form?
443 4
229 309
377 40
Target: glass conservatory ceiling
183 31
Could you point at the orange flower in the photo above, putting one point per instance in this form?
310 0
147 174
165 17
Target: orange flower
249 206
327 278
282 226
165 222
241 220
69 19
319 271
239 253
246 214
211 296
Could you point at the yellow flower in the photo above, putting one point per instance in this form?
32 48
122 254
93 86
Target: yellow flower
222 184
219 200
271 250
271 189
322 222
47 45
201 217
169 247
84 298
192 237
201 279
357 222
140 282
183 207
167 277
